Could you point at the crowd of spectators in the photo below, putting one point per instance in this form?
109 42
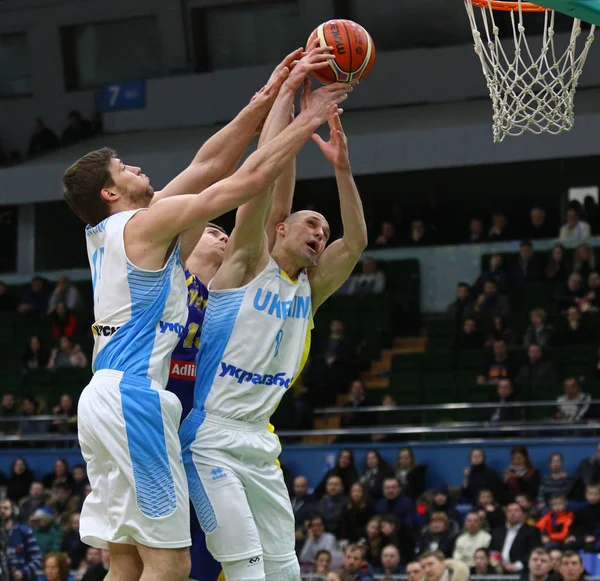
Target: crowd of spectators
44 140
431 227
379 519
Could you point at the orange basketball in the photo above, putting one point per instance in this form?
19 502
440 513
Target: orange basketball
353 48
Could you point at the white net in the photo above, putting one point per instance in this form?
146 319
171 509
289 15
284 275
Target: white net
529 92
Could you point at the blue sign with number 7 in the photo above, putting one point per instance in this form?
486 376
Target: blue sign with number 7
123 95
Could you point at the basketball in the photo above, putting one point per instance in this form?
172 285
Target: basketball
353 48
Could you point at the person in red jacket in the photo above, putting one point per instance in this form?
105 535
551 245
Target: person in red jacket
555 524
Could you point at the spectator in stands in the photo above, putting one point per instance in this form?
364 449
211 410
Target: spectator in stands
19 481
9 409
574 406
414 572
80 480
42 140
526 502
470 337
571 567
397 533
47 534
501 332
35 356
499 366
499 231
375 541
471 540
67 355
539 566
591 301
571 294
60 475
555 525
23 553
371 281
585 260
375 472
515 541
29 408
557 482
575 228
344 467
525 269
479 476
436 568
495 272
388 417
37 499
538 332
555 558
356 515
482 563
538 228
64 322
476 233
92 557
354 560
56 567
521 477
387 237
356 399
396 503
577 331
442 502
536 369
323 563
420 235
333 504
72 544
7 302
557 268
489 510
390 562
588 473
409 474
63 503
65 292
303 504
458 309
66 416
34 299
77 130
490 304
585 530
502 395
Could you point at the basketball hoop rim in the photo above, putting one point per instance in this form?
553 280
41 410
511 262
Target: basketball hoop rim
508 6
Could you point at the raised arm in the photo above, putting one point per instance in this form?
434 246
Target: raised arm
220 155
339 259
247 250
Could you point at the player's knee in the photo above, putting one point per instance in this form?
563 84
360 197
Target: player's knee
248 569
288 570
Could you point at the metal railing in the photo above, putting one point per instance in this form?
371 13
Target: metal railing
313 577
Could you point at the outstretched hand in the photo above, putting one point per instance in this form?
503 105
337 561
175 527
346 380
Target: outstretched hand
336 149
316 57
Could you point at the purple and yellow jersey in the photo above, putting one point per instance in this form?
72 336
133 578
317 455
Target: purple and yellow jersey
182 372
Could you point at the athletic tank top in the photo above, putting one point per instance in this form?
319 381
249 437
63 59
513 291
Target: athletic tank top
182 373
254 343
139 314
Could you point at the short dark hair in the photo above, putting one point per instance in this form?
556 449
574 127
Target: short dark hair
569 554
216 227
435 554
83 181
322 552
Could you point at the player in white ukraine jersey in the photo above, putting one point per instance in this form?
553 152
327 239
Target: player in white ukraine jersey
138 507
254 343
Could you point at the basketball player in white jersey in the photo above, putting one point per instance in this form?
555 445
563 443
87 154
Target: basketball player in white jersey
138 507
254 343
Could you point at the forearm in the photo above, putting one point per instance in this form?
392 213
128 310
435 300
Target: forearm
351 209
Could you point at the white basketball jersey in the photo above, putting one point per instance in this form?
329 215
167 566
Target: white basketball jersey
254 343
139 313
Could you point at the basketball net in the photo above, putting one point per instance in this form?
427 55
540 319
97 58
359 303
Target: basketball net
528 92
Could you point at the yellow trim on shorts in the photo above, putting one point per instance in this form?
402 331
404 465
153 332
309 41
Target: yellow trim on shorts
221 577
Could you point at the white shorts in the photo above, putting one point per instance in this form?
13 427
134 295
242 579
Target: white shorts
128 436
237 488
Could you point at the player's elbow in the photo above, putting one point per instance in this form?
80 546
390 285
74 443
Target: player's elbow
360 242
